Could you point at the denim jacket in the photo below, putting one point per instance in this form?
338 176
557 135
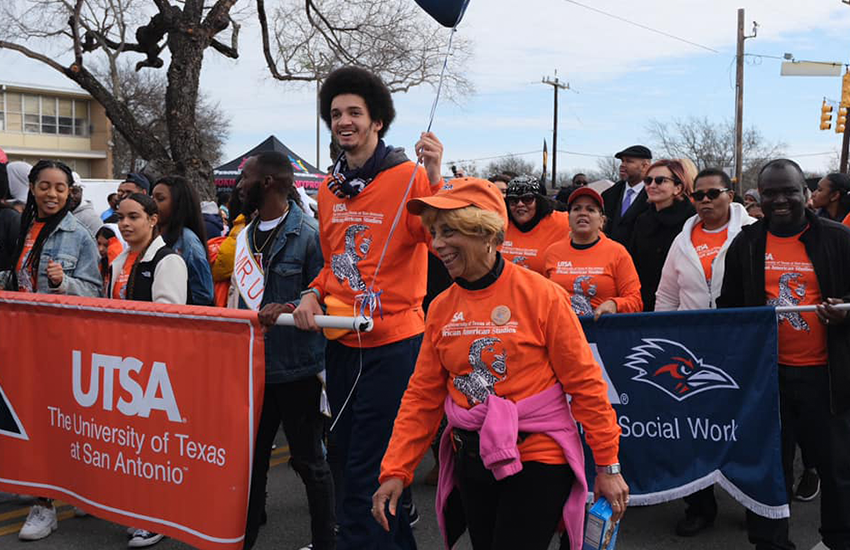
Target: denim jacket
71 246
190 247
296 259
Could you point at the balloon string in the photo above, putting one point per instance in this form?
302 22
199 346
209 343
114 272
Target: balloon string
371 299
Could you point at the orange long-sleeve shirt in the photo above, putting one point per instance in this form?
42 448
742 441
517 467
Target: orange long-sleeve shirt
590 276
526 249
352 234
472 348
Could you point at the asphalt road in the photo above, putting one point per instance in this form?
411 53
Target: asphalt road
288 528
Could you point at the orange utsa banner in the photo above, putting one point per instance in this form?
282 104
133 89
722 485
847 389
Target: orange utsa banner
142 414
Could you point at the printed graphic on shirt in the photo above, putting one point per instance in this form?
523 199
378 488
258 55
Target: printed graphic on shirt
358 241
520 255
478 384
582 294
791 293
27 281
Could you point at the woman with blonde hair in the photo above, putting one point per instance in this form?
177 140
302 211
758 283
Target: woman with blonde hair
502 347
668 187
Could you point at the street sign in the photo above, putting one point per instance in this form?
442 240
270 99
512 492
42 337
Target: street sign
810 68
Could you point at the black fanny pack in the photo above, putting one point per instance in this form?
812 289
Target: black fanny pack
467 443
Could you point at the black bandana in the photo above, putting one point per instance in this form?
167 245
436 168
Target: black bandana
346 182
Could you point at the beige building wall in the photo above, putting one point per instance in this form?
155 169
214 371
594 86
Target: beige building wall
40 122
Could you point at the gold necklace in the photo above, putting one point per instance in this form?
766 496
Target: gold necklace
268 239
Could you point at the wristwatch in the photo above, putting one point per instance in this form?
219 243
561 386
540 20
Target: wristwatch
611 469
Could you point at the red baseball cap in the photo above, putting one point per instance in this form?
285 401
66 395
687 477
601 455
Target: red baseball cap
586 192
462 192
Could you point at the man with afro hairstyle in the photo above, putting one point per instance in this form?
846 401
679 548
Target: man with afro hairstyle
358 204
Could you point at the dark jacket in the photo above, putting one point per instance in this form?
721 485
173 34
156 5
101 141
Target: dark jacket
621 228
10 225
296 259
653 234
828 247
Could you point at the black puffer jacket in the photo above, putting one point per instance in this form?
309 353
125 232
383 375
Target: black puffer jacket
828 247
653 234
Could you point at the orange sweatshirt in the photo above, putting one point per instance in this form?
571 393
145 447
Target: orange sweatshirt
590 276
515 338
353 232
526 249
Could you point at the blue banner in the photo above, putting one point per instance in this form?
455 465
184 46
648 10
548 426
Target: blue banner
697 399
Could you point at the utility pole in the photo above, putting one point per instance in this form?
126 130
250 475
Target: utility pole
318 125
739 103
845 145
556 85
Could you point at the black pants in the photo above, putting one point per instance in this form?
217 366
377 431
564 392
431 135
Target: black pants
702 504
519 511
806 418
296 405
358 441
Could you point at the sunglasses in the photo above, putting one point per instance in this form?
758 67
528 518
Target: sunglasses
525 199
658 180
711 194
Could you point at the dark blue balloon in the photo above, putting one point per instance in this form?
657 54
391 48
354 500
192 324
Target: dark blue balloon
447 12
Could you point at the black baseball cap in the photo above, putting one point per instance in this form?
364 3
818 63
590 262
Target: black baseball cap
140 180
635 151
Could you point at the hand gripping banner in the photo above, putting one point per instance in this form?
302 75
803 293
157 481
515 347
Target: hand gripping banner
142 414
697 399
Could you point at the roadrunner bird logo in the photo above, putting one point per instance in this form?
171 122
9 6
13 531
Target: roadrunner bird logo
344 266
675 370
478 384
789 297
580 299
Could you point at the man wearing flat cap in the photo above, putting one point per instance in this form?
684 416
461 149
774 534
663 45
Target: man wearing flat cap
626 200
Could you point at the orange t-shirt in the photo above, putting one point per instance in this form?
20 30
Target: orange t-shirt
846 220
526 249
119 290
708 244
353 233
590 276
466 355
28 282
789 280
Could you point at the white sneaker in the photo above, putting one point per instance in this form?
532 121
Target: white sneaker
308 547
142 538
41 521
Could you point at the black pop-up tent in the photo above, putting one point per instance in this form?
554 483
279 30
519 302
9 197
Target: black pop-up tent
306 175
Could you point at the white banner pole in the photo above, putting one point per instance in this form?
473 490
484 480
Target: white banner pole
330 321
801 309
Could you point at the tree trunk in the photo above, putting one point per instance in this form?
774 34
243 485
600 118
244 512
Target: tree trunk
187 47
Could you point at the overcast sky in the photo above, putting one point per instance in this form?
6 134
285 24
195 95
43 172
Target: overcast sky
622 77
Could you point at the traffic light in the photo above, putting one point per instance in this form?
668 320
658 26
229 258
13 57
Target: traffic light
825 116
840 120
845 89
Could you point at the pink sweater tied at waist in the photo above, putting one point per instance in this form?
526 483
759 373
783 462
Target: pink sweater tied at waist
499 421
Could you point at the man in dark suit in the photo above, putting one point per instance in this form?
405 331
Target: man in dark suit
626 200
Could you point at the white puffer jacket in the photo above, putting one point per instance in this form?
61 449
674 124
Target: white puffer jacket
683 285
169 278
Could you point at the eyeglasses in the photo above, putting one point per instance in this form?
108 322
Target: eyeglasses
525 199
711 194
658 180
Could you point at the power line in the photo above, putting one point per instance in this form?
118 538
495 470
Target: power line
584 154
508 155
639 25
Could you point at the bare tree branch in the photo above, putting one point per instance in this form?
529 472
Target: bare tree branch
710 144
389 37
264 29
32 55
